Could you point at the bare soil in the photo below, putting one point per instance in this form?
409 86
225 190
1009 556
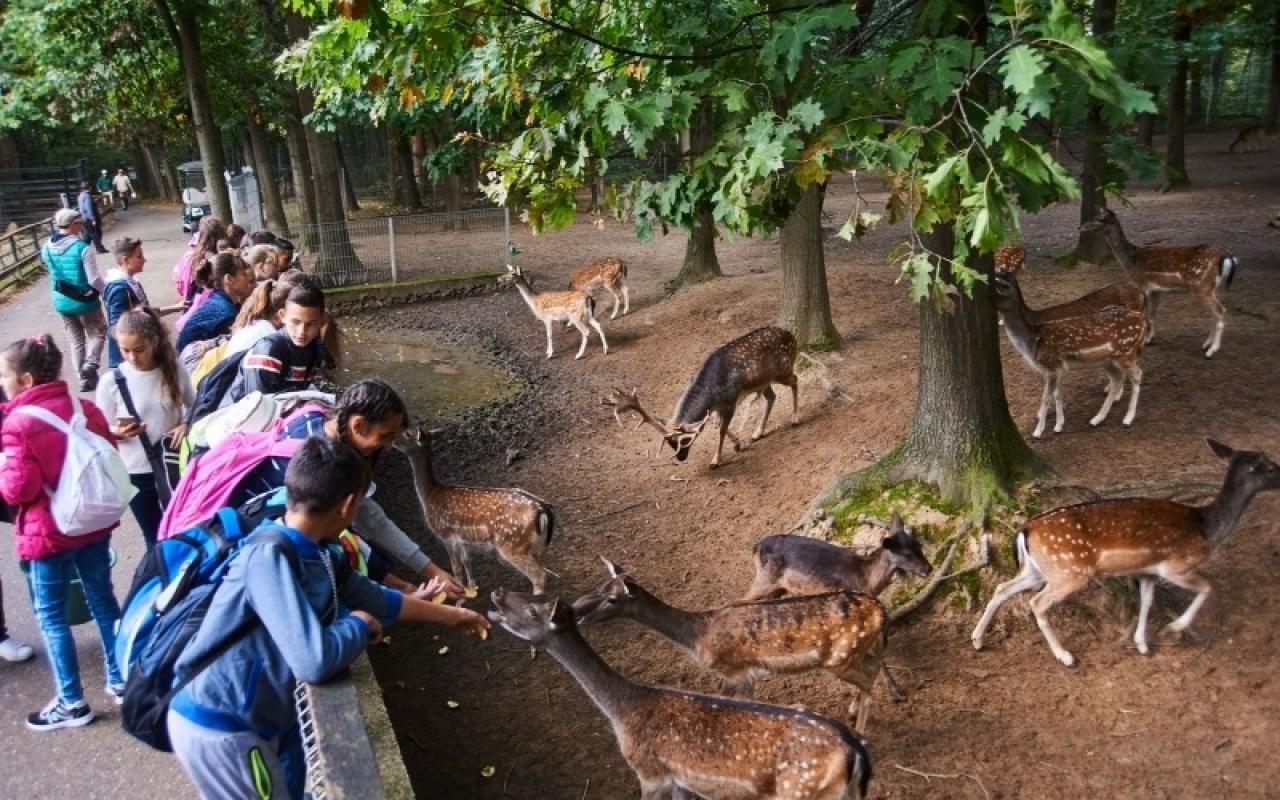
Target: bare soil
1198 718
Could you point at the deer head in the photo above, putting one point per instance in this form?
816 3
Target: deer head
607 601
679 437
416 439
531 617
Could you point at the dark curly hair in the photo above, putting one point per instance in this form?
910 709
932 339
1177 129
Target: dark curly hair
372 399
38 356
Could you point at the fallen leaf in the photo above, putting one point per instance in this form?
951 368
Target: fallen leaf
472 592
488 772
444 649
452 704
484 633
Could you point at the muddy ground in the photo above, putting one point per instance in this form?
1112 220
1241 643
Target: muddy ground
1199 718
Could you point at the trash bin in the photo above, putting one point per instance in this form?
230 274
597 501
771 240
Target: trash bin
77 606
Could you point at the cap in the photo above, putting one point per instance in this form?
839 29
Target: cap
65 216
104 172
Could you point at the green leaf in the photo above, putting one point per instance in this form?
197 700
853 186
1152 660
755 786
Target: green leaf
1022 66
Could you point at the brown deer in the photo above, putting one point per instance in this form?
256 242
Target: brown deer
1110 337
576 308
1064 549
750 363
512 521
1009 262
1250 138
681 743
842 632
1201 269
609 273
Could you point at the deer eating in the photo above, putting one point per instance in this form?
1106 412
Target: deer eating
575 308
608 273
746 365
1064 549
682 743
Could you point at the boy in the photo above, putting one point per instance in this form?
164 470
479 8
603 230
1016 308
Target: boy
234 727
289 359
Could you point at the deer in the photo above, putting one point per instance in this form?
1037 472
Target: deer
609 273
1064 549
682 743
1009 260
844 633
576 308
1110 337
513 522
1202 269
750 363
1250 138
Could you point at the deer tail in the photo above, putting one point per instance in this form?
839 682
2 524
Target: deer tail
1227 270
622 267
546 524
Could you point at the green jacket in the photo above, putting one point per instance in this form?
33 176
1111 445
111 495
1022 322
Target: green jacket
64 256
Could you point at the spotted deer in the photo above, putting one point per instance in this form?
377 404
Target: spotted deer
1110 338
750 363
609 273
1064 549
1116 294
576 308
844 633
1201 269
512 521
1249 139
682 743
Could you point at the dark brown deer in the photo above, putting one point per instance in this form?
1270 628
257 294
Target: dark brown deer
1250 138
750 363
1110 338
1201 269
681 743
512 521
1064 549
608 273
1009 260
842 632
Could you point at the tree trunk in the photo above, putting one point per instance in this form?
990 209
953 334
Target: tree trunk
151 168
349 201
1146 133
1175 152
1272 122
806 309
272 205
304 185
171 190
418 146
1195 94
400 167
700 260
336 260
1092 246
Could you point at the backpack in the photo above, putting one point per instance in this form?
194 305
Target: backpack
214 386
93 489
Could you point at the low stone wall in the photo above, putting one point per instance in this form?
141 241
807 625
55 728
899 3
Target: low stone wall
350 299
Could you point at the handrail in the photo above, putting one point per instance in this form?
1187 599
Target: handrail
20 248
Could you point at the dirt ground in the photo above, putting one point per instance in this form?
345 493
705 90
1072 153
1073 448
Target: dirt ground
1198 718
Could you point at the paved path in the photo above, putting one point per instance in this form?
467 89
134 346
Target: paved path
98 761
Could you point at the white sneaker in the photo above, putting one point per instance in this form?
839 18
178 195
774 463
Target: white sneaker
13 650
116 692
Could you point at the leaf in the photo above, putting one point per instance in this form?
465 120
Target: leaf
451 703
444 649
488 772
808 114
1022 66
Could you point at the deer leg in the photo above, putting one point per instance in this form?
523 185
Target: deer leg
616 302
794 382
1210 345
1043 413
550 347
530 568
1049 597
724 418
1115 388
1194 583
1059 410
767 395
1146 592
1029 578
1153 303
586 334
459 560
1135 387
626 300
890 685
603 341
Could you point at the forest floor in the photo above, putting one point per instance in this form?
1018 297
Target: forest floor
1197 718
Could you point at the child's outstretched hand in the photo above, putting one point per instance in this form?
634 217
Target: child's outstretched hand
448 584
375 627
470 623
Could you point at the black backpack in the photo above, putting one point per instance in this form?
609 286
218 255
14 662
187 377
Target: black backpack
214 387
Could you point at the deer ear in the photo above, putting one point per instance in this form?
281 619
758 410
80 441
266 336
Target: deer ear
1220 449
614 569
895 523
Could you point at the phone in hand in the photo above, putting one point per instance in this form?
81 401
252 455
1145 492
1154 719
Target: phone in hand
126 422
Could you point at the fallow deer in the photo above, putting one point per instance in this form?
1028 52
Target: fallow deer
1201 269
681 743
1110 337
1009 260
512 521
1250 138
1064 549
844 633
576 308
750 363
609 273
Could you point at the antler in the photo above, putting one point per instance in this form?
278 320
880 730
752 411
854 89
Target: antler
621 401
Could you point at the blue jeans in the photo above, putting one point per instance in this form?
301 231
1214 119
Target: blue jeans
50 583
145 506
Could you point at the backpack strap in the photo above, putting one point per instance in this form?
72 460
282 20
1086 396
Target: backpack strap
47 417
153 452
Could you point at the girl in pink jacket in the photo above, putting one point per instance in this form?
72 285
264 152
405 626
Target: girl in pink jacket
33 453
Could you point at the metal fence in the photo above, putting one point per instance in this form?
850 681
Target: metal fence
401 249
20 250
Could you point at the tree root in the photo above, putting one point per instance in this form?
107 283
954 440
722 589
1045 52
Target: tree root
940 574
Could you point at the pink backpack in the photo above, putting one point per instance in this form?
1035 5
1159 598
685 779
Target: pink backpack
182 272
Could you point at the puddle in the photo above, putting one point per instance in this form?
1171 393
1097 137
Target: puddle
435 378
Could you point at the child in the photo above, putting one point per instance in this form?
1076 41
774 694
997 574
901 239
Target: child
231 281
265 262
291 358
234 727
32 461
263 313
162 394
123 292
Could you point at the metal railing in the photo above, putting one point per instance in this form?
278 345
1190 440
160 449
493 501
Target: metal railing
20 250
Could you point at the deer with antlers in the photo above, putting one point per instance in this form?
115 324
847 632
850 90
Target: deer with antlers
1064 549
750 363
1202 269
514 522
1110 337
1009 260
681 743
608 273
573 307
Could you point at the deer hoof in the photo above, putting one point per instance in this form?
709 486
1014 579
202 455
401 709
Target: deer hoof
714 465
977 642
1066 658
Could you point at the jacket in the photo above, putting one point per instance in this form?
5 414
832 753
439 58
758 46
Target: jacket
210 320
275 364
119 295
72 260
250 686
33 456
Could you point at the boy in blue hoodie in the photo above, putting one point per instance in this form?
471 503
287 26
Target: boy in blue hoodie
234 727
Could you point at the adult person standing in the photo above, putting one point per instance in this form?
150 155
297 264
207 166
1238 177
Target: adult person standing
123 292
92 219
124 189
104 185
76 285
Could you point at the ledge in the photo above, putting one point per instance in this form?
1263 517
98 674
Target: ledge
349 299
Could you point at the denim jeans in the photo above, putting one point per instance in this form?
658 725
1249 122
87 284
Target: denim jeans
145 506
50 583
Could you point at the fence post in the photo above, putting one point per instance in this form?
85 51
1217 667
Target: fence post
506 235
391 246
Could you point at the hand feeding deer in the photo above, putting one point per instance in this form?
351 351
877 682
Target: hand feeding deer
1110 337
1062 550
512 521
842 632
576 308
679 743
1009 260
750 363
609 273
1201 269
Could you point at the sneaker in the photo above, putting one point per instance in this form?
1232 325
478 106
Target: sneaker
58 715
116 692
13 650
88 379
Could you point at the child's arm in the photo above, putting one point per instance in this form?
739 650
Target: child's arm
462 620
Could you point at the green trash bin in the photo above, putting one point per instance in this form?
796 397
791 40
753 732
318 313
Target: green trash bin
77 606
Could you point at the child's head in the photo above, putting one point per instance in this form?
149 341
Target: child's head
235 233
284 253
228 272
29 362
145 345
225 245
261 237
303 315
370 416
262 257
326 479
128 254
267 301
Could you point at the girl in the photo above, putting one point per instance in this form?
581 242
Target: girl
123 292
232 281
162 394
204 245
33 458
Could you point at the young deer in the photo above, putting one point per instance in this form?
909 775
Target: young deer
512 521
842 632
609 273
1110 337
1009 262
1201 269
750 363
576 308
1250 138
681 743
1064 549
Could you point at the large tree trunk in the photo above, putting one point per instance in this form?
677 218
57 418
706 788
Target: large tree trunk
418 145
700 260
1175 152
349 201
1272 121
1092 246
304 188
400 169
171 191
1195 94
335 258
806 309
151 168
272 205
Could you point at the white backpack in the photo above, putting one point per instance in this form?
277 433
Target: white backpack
94 489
